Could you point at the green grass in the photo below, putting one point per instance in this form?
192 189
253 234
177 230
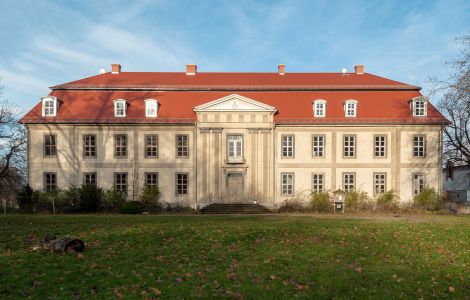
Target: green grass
274 257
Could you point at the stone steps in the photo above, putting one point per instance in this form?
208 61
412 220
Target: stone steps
234 208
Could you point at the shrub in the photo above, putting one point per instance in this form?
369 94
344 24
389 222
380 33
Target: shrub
356 200
68 200
180 209
428 199
26 199
150 196
112 200
387 201
292 205
321 202
90 197
132 207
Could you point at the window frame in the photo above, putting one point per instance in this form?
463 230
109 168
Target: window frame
323 136
146 145
414 182
45 182
116 108
285 191
45 146
85 174
384 146
344 181
84 140
424 146
154 103
54 108
322 175
321 102
375 184
126 145
235 158
346 108
177 188
288 146
414 107
157 179
177 146
354 147
115 183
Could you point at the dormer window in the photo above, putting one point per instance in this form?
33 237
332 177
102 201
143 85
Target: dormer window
49 106
319 108
151 108
350 108
419 106
120 107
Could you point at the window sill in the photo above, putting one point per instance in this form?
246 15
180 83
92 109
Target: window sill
234 161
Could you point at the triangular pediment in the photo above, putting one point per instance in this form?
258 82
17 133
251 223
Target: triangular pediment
235 102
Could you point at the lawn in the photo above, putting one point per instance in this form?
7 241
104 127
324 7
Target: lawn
250 257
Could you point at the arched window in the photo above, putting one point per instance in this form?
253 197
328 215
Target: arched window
120 107
319 108
151 108
419 106
49 106
350 108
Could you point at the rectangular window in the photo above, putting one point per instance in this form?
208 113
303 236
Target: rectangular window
50 146
418 183
379 183
151 179
317 183
319 109
350 109
235 146
419 146
151 146
380 146
349 182
120 145
419 108
89 179
151 108
49 108
318 145
182 146
120 182
50 181
89 145
349 146
182 183
288 146
287 184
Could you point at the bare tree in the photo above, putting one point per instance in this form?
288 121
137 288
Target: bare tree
454 103
12 146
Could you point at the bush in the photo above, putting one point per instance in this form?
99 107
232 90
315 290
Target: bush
113 200
26 199
180 209
132 207
150 196
67 201
387 201
292 205
356 200
321 202
90 198
428 199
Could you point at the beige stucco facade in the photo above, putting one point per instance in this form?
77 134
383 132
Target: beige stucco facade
258 174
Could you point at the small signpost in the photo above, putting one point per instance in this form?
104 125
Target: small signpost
338 198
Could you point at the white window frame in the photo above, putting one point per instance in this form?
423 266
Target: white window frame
318 145
380 146
49 111
350 108
235 147
419 146
349 146
151 108
380 183
319 108
418 183
116 108
287 184
288 147
349 181
318 182
419 106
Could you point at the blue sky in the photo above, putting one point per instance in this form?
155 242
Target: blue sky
44 43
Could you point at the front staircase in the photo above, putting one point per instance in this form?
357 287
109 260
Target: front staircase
234 208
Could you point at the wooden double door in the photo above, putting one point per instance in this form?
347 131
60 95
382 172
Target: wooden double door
235 188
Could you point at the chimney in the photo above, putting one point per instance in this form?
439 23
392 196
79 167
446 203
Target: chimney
115 68
191 69
359 69
281 69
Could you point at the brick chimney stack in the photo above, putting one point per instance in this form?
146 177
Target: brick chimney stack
115 68
359 69
281 69
191 69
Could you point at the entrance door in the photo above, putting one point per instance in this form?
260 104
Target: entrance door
235 187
